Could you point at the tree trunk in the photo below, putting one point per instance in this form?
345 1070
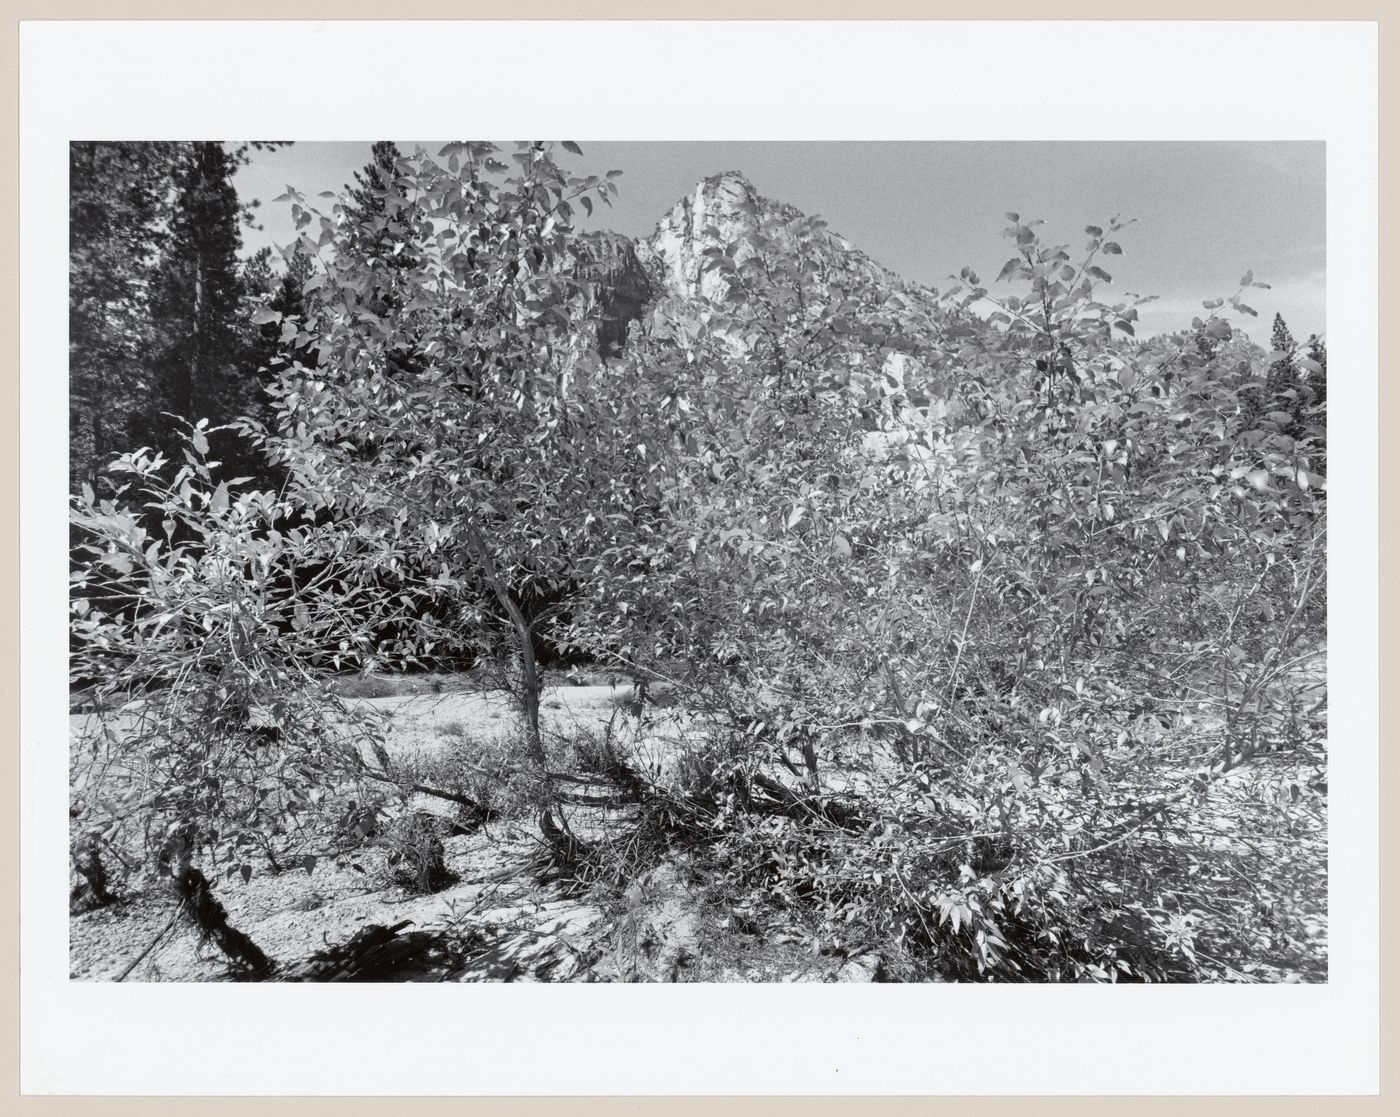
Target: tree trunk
196 357
553 824
525 645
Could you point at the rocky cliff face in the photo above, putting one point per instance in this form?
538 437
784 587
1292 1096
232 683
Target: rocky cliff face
722 211
726 211
624 287
657 279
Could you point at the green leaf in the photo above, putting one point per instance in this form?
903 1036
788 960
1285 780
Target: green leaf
569 145
200 443
1093 230
1112 249
265 315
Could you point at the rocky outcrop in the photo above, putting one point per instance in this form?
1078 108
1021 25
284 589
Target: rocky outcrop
659 280
722 212
726 212
623 285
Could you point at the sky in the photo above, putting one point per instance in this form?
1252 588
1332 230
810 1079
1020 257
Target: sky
1205 212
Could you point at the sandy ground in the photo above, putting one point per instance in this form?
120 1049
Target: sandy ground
504 925
294 913
417 720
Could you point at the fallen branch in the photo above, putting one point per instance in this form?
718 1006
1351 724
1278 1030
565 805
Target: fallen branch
438 793
211 918
792 803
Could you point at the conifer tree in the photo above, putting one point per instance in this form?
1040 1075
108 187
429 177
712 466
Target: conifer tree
1283 373
197 291
375 181
382 218
1281 393
1317 378
118 208
380 212
158 324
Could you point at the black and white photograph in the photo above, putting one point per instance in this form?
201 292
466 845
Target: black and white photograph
484 569
825 573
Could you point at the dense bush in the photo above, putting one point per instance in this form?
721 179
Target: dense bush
1002 602
1067 604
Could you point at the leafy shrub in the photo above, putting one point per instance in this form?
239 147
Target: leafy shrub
1048 599
414 852
212 726
486 768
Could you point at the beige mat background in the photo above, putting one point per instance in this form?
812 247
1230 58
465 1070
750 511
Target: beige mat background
676 1017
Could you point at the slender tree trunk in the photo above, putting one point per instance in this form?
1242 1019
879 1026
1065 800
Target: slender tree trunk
99 448
553 823
187 403
525 645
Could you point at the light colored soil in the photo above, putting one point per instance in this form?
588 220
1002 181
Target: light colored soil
502 924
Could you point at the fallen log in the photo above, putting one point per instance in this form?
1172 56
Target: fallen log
197 899
800 806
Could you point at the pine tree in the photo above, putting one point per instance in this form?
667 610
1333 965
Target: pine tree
381 214
375 181
281 292
382 220
1317 378
157 314
118 208
1283 373
197 292
1281 388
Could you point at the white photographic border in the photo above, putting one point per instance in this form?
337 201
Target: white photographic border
716 81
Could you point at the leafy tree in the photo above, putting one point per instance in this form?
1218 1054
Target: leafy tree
990 593
220 735
460 426
995 571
